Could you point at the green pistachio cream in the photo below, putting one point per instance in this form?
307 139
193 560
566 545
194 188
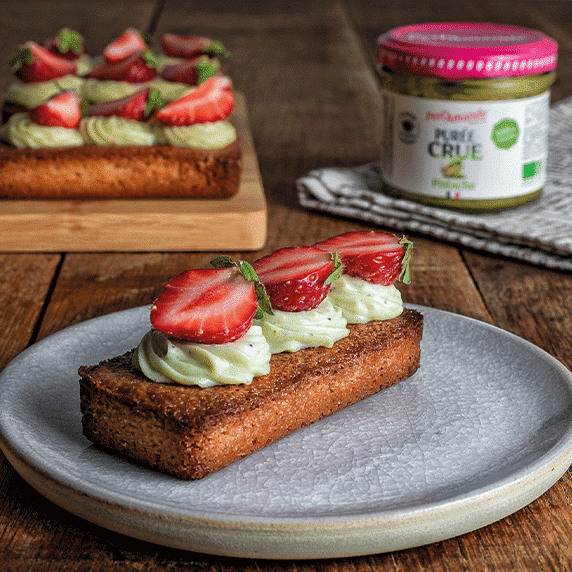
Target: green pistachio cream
293 331
360 301
23 133
166 360
96 90
31 95
170 90
213 135
113 130
351 300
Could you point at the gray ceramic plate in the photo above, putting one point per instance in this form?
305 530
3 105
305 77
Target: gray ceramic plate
482 429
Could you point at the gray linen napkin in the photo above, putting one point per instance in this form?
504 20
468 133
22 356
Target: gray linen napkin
539 232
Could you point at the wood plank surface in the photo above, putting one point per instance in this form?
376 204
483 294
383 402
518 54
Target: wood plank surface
307 73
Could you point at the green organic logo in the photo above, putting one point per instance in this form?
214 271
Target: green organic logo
505 133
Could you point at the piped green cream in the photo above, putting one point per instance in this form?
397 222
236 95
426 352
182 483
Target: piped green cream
293 331
113 130
23 133
96 90
167 360
31 95
201 135
360 301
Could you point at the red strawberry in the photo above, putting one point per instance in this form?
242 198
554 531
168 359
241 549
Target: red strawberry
205 305
378 257
62 110
192 71
137 106
136 68
128 43
297 278
190 46
68 44
212 101
31 62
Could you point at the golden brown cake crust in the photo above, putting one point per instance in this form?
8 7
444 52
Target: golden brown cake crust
191 432
120 172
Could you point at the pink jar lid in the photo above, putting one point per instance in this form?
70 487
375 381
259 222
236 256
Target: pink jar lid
466 50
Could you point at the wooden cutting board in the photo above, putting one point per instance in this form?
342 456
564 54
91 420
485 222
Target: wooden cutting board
238 223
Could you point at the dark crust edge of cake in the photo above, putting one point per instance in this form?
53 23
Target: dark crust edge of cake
411 334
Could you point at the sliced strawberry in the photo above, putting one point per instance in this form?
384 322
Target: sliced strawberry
62 110
193 71
205 305
297 278
136 68
137 106
190 46
32 62
68 44
212 101
377 257
128 43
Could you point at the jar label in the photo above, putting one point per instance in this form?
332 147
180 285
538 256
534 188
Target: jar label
468 150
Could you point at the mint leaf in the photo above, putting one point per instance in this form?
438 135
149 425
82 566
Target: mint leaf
223 261
22 55
264 305
84 107
337 271
248 271
405 276
154 101
217 48
205 69
150 59
70 40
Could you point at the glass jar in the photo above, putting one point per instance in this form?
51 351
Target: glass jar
465 113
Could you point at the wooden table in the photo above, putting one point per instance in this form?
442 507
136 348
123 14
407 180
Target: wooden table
306 69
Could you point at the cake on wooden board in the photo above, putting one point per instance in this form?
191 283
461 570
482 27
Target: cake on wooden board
133 124
179 402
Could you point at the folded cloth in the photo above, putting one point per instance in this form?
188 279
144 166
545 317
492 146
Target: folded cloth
539 232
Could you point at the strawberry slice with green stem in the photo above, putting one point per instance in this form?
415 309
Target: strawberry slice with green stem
191 72
61 110
297 278
136 68
130 42
249 274
178 46
33 63
67 44
378 257
206 305
137 106
212 101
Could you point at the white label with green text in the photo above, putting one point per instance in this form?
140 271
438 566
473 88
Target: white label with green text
465 149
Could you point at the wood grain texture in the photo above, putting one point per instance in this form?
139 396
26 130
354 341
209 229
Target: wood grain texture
24 289
307 73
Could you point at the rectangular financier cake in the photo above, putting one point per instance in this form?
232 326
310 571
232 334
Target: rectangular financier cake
138 172
130 123
191 432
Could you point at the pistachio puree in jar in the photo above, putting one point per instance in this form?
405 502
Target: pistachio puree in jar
465 113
